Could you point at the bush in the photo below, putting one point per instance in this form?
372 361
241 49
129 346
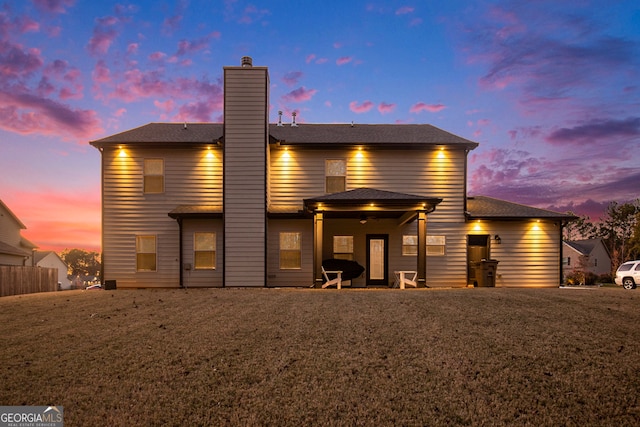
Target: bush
605 278
581 278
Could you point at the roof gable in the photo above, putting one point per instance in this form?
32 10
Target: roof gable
13 216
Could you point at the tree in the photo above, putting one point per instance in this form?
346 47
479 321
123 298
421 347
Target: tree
581 228
81 262
617 227
634 242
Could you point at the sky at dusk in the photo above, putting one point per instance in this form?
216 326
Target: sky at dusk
550 89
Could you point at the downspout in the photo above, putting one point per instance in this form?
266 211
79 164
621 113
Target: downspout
560 227
181 265
102 213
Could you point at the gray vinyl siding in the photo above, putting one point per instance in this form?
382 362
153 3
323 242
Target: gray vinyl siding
278 277
201 278
245 187
190 179
528 257
302 175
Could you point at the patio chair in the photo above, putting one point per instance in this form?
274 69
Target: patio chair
330 282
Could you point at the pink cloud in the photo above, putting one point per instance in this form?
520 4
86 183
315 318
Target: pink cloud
27 113
344 60
132 48
16 62
171 24
291 78
301 94
103 35
157 56
321 60
415 22
101 41
53 6
404 10
432 108
597 130
310 58
385 108
191 46
25 24
362 108
120 112
337 45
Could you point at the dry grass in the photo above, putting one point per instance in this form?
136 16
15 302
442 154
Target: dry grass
325 357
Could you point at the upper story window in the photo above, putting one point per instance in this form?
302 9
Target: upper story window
153 175
335 175
343 247
204 251
146 252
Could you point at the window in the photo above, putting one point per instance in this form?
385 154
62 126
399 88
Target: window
335 176
409 245
146 253
290 251
436 245
343 247
204 251
153 176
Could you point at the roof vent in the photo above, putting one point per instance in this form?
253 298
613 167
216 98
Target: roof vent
279 118
293 122
247 61
185 125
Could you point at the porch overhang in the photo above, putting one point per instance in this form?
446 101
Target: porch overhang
361 201
366 203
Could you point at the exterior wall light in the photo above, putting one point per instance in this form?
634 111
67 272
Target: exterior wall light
497 239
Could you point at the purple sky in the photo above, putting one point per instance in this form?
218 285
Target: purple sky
550 90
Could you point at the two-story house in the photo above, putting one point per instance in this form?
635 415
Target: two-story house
249 203
14 249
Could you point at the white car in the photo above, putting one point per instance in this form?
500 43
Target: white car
628 274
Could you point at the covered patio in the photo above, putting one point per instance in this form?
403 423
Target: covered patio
360 206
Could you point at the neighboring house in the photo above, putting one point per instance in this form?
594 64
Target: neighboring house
590 255
51 259
248 203
14 249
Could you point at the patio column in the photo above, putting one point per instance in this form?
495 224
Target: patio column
318 219
422 249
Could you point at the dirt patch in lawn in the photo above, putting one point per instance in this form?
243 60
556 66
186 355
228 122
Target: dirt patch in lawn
325 357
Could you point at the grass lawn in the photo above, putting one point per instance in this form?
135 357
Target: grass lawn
325 357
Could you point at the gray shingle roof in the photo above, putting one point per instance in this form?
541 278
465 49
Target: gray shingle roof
366 134
11 250
304 134
166 133
585 246
487 207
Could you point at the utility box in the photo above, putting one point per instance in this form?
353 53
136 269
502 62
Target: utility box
110 285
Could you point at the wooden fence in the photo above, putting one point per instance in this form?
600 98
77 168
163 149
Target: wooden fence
16 280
